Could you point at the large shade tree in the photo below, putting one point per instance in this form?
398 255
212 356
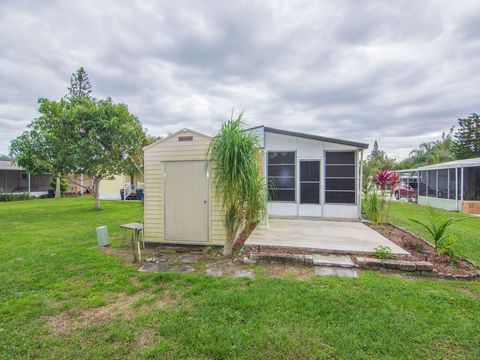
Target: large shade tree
45 146
237 178
81 135
107 139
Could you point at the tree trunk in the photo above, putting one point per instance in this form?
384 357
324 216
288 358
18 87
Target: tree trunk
96 193
228 248
58 190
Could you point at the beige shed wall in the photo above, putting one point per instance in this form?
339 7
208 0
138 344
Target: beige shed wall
171 149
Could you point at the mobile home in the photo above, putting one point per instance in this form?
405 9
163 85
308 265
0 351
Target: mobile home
14 179
453 185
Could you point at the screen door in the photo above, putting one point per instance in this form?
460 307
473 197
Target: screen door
186 201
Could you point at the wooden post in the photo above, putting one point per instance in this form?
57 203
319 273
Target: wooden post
134 245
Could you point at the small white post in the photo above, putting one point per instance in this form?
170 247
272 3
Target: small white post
426 183
409 196
448 183
360 185
456 188
461 189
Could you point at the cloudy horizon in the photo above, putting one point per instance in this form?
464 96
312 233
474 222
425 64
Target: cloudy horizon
358 70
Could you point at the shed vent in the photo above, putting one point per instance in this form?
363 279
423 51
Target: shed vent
185 138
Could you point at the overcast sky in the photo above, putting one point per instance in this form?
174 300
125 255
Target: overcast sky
400 72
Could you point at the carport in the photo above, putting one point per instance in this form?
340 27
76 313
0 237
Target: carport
324 236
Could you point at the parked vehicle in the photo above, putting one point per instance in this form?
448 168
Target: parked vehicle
404 190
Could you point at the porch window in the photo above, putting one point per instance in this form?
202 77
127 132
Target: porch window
442 188
432 183
340 177
281 176
451 184
460 182
309 182
471 183
422 187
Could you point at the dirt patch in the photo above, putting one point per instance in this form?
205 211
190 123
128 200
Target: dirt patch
299 272
118 253
469 292
123 306
145 339
422 250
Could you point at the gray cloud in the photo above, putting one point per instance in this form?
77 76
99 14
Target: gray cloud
360 70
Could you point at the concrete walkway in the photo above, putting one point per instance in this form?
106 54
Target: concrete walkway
321 236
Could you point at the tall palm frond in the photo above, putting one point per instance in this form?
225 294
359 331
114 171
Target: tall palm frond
237 177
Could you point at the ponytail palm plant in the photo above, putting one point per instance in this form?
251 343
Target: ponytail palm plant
237 178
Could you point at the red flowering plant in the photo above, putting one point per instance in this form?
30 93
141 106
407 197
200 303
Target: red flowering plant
386 180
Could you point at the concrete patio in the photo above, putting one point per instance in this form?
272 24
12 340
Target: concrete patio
324 236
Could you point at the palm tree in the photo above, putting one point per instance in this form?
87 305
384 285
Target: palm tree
237 178
432 152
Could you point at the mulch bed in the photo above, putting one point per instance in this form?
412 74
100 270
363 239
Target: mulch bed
420 249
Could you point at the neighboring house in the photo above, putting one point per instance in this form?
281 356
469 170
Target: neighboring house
14 179
310 176
453 185
110 189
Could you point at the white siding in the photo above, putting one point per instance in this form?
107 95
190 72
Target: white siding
307 149
441 203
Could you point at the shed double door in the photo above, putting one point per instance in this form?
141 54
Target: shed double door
186 201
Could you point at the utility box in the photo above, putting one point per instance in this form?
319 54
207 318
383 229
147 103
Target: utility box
102 236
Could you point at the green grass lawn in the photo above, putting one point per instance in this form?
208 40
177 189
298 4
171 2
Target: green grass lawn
61 297
467 231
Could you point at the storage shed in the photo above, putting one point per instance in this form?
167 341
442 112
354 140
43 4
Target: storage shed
308 176
180 203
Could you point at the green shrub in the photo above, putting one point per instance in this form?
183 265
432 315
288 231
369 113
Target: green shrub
383 252
63 184
15 197
372 207
437 227
445 245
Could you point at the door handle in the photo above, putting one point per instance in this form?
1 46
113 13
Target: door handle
204 201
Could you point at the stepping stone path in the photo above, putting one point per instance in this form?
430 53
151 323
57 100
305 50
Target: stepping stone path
165 268
186 260
148 267
187 270
335 271
333 260
214 272
334 265
156 260
244 273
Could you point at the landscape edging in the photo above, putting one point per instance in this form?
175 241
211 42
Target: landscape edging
440 274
